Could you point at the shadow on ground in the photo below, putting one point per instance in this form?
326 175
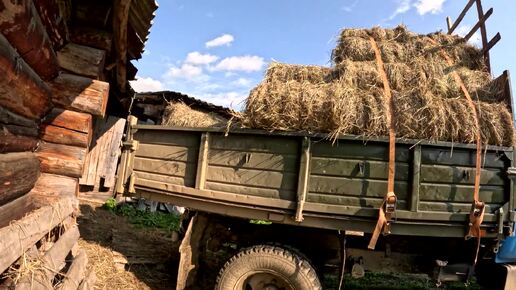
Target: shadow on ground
125 256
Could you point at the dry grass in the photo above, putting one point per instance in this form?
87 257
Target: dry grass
348 98
181 115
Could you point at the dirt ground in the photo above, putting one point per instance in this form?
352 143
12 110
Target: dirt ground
125 256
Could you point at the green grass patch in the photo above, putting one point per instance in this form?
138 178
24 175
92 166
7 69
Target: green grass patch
260 222
145 219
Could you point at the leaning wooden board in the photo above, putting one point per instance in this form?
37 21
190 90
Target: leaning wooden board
258 175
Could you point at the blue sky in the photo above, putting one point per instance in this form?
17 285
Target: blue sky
218 50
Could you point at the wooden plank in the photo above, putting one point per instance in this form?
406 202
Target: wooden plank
120 23
72 152
24 233
358 150
355 187
460 193
76 273
356 168
416 179
260 178
21 90
76 121
251 190
202 163
52 263
16 209
480 23
89 282
364 202
64 136
461 175
172 168
53 20
492 43
253 160
19 174
303 177
103 142
55 186
82 60
454 207
114 150
461 16
168 152
80 94
164 178
254 143
21 24
461 157
175 138
61 159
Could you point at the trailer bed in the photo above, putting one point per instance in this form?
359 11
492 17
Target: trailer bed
333 184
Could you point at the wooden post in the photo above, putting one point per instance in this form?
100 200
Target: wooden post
483 33
82 60
80 94
19 172
21 90
416 173
120 23
22 26
76 273
202 163
304 175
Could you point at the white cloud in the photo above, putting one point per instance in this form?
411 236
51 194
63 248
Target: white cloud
185 71
232 99
429 6
350 7
475 39
146 85
247 63
197 58
225 39
402 7
241 82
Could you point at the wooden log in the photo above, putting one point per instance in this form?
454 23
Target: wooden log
54 22
120 23
64 136
76 121
22 234
19 172
16 143
76 273
8 117
21 90
19 130
92 37
51 185
89 282
61 159
22 26
52 263
80 94
16 209
82 60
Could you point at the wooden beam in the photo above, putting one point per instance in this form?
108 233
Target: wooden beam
61 159
21 90
16 209
19 174
52 263
483 33
24 233
19 130
82 60
92 37
80 94
492 43
22 26
479 24
461 16
120 24
8 117
76 273
304 176
52 185
89 282
64 136
54 22
72 120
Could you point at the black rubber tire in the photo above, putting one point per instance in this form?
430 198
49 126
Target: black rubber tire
271 259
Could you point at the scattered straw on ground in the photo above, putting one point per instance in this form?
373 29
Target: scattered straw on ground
348 98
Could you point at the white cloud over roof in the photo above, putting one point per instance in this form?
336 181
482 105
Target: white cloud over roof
225 39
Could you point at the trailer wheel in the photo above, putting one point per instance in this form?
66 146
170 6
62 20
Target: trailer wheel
267 268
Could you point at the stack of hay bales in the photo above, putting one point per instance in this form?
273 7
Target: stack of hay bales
181 115
348 97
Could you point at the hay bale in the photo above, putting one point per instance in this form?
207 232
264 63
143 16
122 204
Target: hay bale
281 72
181 115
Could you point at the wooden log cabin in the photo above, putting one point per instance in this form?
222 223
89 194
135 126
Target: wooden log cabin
64 72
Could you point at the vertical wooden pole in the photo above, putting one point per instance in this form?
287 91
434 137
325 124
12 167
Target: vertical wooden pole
304 175
416 174
483 32
202 163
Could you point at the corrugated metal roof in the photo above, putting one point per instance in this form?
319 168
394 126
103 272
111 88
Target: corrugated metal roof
141 14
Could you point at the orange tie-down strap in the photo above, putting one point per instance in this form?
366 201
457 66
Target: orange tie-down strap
388 206
476 215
